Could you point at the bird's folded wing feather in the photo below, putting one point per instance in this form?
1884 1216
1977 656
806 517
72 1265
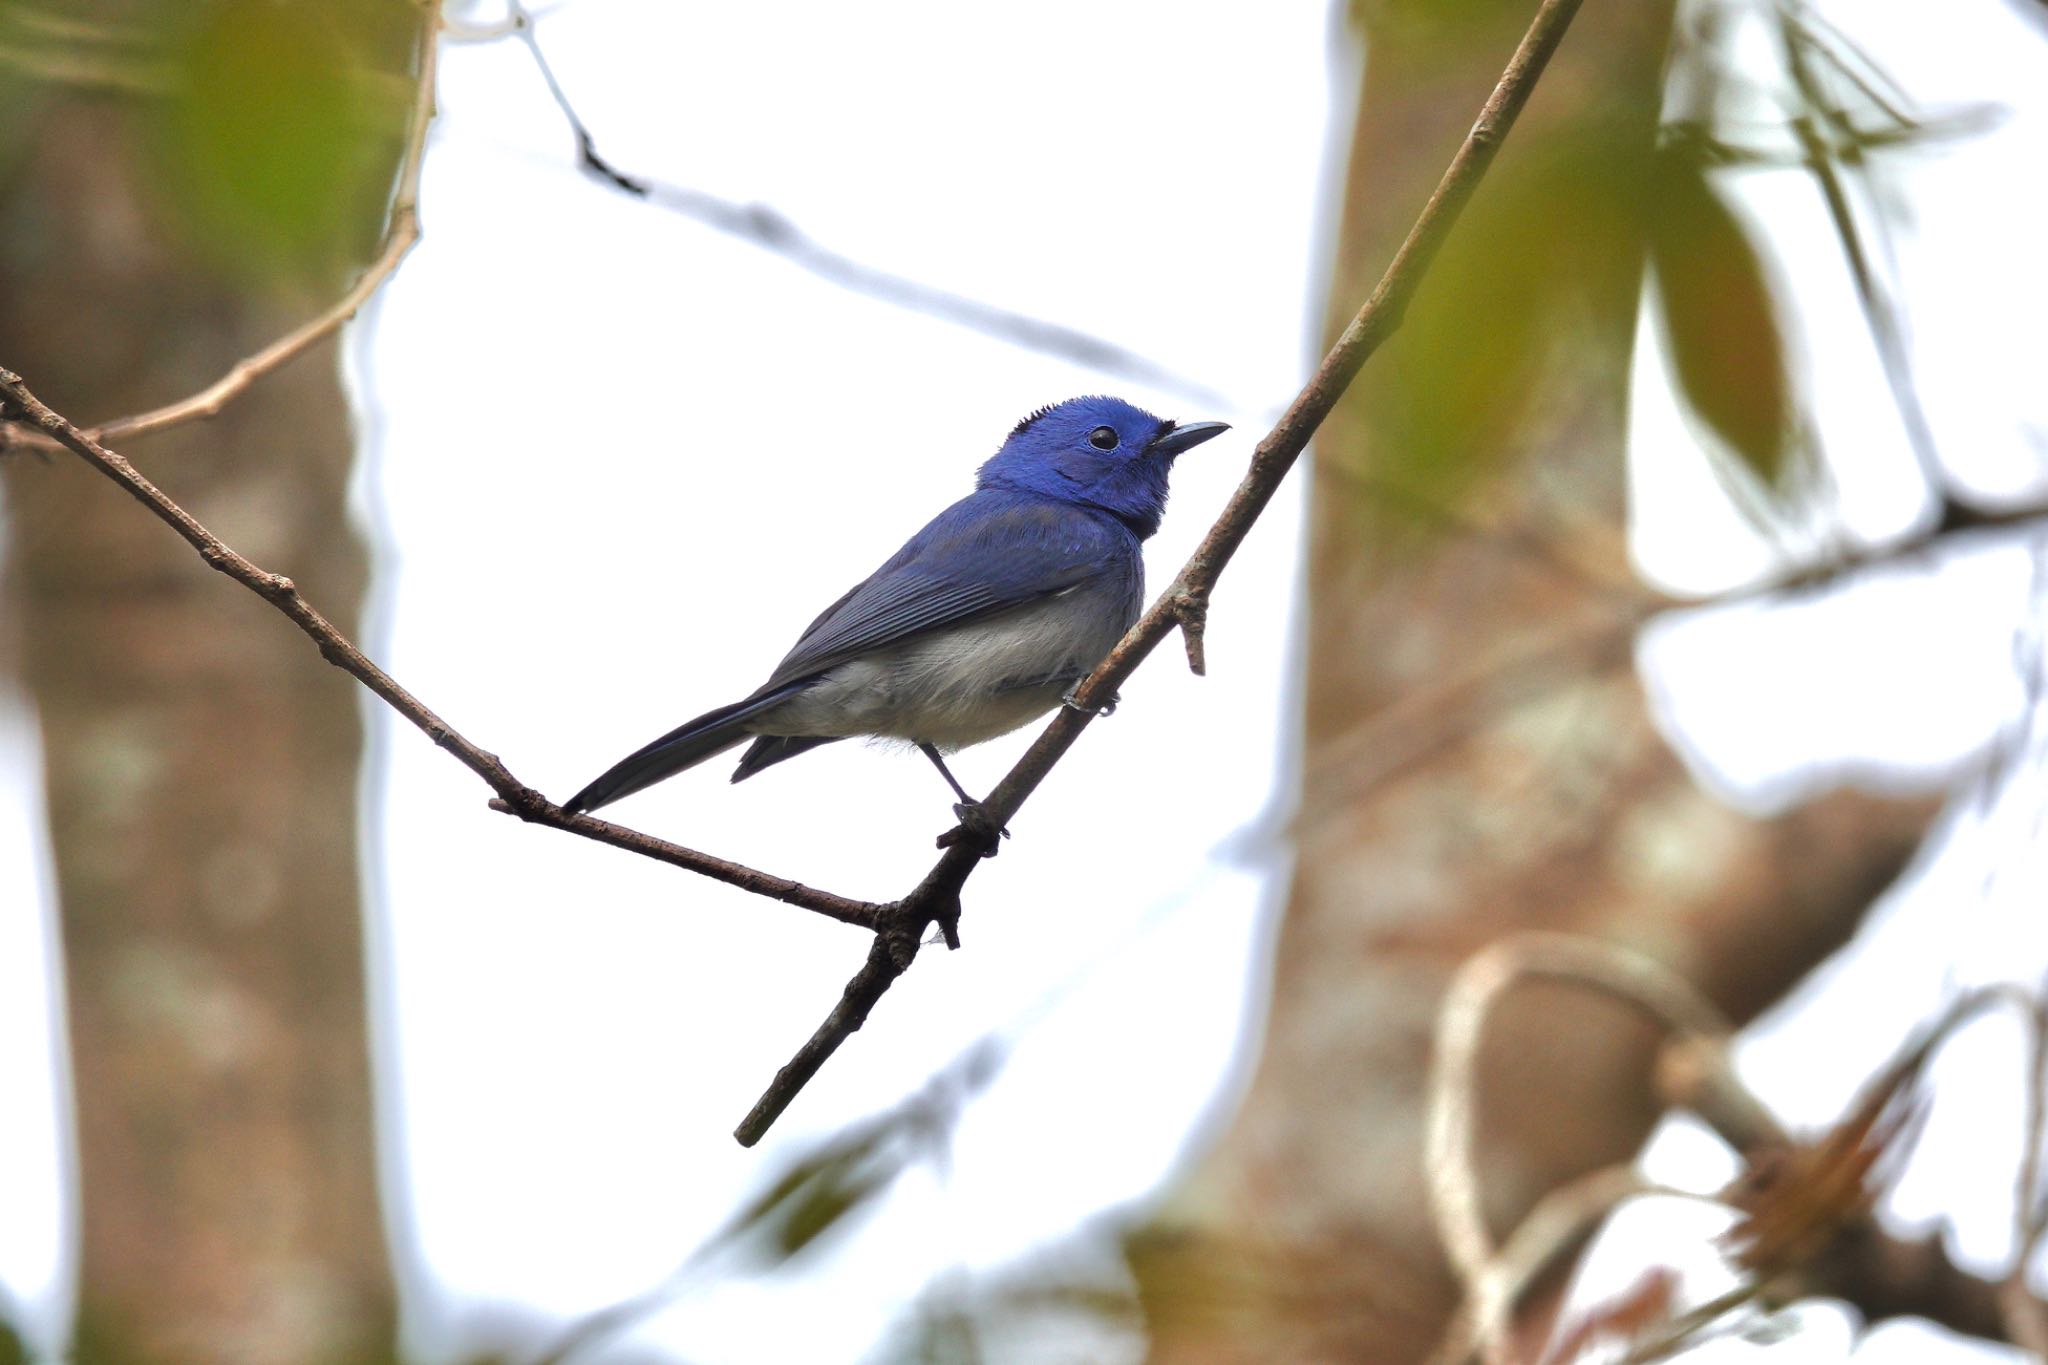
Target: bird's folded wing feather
986 553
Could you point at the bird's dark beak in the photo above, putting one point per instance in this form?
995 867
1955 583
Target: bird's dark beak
1182 438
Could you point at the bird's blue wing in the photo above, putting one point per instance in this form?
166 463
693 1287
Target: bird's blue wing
988 552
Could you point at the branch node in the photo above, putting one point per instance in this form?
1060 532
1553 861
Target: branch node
901 942
529 804
526 803
769 226
586 151
977 829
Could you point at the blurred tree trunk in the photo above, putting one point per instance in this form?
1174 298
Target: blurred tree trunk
201 772
1480 758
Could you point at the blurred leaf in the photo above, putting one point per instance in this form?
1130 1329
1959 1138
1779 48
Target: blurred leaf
1550 247
945 1339
817 1193
279 145
1720 323
79 46
1441 32
824 1204
1797 1198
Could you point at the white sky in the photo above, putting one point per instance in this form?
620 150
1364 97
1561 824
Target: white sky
615 461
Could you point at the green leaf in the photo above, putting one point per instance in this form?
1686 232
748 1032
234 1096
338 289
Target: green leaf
1546 262
280 141
1720 320
824 1204
816 1192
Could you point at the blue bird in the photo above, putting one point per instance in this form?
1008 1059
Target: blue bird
983 621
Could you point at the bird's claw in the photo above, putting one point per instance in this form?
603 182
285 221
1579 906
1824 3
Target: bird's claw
1107 708
976 825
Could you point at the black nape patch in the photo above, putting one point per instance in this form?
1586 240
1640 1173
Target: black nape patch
1018 430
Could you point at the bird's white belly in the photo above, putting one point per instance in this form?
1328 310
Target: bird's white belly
960 686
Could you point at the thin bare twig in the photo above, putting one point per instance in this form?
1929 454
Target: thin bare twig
1184 604
514 796
1685 1329
402 231
521 23
1880 311
1559 1220
1609 969
773 231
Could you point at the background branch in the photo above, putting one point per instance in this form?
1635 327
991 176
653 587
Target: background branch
2026 1319
1632 978
773 231
1807 1227
1559 1223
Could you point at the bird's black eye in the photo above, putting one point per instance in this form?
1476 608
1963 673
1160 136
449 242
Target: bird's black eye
1102 438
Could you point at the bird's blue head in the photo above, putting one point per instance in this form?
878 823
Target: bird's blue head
1098 452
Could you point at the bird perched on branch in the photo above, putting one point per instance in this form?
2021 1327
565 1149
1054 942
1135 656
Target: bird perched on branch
983 621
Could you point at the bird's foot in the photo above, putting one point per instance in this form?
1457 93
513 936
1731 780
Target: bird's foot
1107 708
977 827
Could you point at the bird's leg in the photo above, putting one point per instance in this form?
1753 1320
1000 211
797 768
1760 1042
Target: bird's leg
1107 708
974 821
931 751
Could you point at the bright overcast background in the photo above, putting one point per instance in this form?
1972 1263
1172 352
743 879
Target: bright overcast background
614 461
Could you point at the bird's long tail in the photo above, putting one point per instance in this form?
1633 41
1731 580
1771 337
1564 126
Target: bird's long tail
683 747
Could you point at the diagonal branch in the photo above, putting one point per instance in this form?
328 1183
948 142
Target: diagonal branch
520 23
514 796
1184 604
